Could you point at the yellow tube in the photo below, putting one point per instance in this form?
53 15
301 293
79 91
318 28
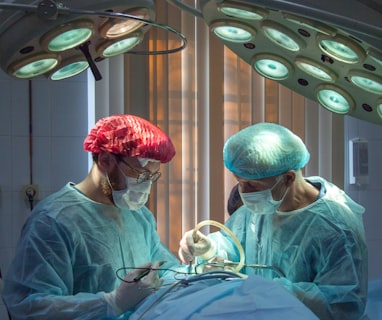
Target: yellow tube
229 232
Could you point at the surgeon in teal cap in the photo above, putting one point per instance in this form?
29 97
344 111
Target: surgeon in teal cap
303 232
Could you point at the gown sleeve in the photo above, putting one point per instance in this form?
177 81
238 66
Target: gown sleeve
39 282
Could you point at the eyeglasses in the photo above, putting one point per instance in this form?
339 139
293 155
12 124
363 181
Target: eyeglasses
144 175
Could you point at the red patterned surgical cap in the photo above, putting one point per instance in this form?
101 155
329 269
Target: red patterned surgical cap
131 136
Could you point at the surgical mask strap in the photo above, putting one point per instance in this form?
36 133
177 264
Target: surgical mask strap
274 186
108 180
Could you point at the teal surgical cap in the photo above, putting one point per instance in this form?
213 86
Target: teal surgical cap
264 150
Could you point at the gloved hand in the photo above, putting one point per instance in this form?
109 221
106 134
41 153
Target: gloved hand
195 244
133 289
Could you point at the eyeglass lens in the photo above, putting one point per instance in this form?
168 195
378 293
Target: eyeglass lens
145 175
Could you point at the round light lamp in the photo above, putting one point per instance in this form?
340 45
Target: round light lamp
69 68
282 36
33 66
233 31
67 36
117 28
116 47
334 99
366 81
315 69
341 48
272 66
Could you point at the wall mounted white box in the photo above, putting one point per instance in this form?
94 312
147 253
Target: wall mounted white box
359 161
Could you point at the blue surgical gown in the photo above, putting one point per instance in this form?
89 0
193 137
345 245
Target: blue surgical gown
68 254
318 252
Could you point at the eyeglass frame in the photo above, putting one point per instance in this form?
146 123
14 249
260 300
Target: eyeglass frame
143 175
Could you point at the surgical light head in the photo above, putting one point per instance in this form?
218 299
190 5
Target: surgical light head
264 150
130 136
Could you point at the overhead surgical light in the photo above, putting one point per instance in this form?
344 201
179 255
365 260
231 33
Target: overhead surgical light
33 66
282 36
233 31
116 27
366 81
67 36
112 48
69 68
341 48
306 45
42 39
272 66
334 99
315 69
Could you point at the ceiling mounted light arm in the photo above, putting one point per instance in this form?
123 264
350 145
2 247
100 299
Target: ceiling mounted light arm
85 50
18 6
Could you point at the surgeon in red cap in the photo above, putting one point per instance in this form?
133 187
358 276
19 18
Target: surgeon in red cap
75 240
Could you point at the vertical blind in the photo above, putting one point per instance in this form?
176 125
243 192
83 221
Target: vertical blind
200 96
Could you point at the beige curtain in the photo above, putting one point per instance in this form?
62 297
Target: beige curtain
201 96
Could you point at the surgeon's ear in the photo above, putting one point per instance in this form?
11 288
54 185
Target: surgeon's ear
290 177
106 161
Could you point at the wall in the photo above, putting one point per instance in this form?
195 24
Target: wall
59 124
368 195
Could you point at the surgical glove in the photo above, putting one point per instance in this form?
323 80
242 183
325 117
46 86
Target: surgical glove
134 288
195 244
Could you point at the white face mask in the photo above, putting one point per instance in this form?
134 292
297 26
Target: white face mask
262 202
134 196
